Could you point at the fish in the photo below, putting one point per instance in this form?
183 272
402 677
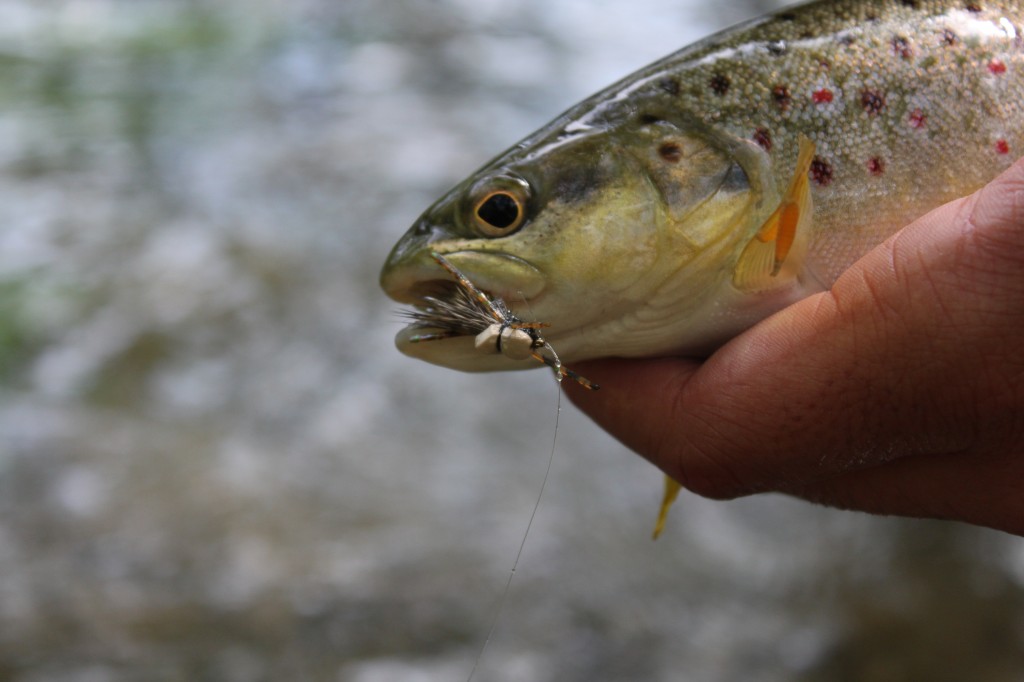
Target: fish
684 203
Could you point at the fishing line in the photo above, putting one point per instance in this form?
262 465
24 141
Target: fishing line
522 544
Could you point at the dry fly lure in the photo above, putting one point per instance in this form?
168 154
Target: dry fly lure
471 312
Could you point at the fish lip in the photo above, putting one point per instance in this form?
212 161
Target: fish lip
414 281
457 352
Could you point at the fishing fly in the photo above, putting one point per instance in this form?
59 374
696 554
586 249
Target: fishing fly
471 312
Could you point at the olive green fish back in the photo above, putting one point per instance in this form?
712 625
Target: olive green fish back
909 103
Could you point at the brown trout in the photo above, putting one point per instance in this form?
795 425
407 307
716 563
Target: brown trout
710 189
682 204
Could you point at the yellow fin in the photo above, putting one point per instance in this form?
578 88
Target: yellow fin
672 489
765 254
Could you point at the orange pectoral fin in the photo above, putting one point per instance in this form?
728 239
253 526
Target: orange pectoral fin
766 253
769 232
787 222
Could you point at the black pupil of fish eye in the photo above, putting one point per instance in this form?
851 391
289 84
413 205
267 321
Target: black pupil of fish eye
499 210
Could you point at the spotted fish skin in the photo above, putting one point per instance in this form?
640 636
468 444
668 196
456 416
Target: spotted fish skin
910 103
634 209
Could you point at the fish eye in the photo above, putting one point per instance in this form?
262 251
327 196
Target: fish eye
499 213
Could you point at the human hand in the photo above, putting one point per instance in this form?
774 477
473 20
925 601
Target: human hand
899 391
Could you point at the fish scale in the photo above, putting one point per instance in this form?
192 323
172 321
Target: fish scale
915 101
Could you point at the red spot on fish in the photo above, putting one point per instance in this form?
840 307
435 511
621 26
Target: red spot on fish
1002 146
780 93
873 101
996 66
720 84
763 137
821 171
901 47
823 96
876 166
917 118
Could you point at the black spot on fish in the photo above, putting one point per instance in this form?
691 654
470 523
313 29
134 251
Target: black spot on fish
777 47
671 152
763 137
912 4
821 171
846 39
873 101
720 83
871 17
949 38
973 7
786 16
648 119
780 93
670 85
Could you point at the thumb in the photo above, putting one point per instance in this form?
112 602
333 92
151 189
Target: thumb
906 355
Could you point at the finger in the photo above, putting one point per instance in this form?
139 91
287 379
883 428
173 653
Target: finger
977 487
635 401
810 391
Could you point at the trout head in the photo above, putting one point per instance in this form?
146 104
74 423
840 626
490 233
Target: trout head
616 236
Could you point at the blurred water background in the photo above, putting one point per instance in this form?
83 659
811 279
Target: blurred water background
215 466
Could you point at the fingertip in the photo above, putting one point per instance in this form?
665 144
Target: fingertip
636 401
995 219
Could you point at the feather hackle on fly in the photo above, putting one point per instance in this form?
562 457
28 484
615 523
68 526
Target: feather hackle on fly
469 311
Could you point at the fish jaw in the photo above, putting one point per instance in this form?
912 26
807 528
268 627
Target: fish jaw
411 278
457 352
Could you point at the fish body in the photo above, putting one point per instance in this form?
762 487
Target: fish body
704 192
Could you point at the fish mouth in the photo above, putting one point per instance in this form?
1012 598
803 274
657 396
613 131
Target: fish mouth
446 314
447 309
